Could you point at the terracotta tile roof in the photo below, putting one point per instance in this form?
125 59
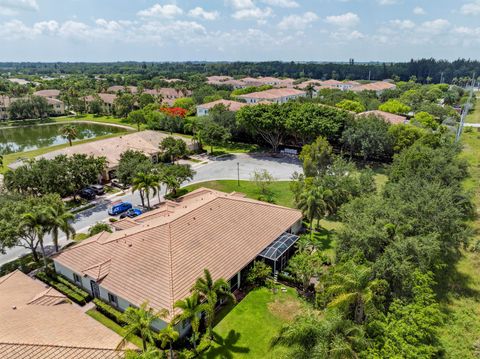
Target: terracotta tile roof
331 83
168 93
388 117
35 351
105 97
273 94
47 93
305 84
218 78
34 314
111 148
116 88
160 258
231 105
375 86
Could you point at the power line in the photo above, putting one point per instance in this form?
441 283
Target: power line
466 109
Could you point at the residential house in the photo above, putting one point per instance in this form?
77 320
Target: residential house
55 94
107 99
168 94
157 256
4 103
280 95
39 322
118 88
234 106
379 87
386 116
216 79
58 106
348 85
146 142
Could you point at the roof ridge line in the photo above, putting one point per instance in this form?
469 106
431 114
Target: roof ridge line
170 267
60 346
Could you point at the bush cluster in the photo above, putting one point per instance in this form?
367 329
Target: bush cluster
109 311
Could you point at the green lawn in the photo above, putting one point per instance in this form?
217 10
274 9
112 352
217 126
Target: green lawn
281 190
474 116
94 118
461 301
114 326
247 330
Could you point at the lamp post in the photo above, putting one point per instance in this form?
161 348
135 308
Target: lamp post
238 174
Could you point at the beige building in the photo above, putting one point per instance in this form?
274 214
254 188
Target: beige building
234 106
107 100
386 116
157 256
37 322
4 103
281 95
379 87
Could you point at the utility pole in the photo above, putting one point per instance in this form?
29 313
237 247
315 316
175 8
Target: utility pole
466 110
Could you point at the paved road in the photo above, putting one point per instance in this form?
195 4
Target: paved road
220 168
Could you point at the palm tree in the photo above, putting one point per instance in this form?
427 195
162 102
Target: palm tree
1 161
60 220
69 132
168 335
37 223
312 204
191 311
351 286
139 321
212 291
145 182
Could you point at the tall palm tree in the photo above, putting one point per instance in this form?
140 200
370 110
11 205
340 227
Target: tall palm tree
191 311
60 220
351 286
168 336
145 182
139 321
212 291
69 132
37 223
312 204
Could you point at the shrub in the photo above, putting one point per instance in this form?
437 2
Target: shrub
72 286
259 273
109 311
99 227
62 288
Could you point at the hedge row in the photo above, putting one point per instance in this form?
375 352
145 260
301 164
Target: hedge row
72 286
109 311
62 288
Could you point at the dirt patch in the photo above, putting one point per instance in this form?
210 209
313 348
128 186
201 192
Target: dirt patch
284 308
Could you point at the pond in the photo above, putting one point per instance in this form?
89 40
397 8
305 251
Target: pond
28 138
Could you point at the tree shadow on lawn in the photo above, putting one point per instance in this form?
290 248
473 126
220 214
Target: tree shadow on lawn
226 348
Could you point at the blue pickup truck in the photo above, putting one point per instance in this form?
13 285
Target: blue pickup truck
119 208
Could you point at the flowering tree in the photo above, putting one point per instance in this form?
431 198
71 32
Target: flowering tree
174 111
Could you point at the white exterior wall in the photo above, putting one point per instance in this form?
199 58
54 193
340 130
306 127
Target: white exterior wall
202 111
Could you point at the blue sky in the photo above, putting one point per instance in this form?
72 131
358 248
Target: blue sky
253 30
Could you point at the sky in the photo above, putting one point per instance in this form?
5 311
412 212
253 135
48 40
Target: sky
246 30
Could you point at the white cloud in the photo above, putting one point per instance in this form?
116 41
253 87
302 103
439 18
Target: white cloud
297 22
282 3
199 12
254 13
345 35
242 4
435 26
13 7
419 11
472 8
348 19
402 24
164 11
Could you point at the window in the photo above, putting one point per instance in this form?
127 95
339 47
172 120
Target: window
113 299
76 278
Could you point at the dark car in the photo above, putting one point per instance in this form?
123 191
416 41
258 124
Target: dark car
131 213
119 208
87 194
116 183
98 189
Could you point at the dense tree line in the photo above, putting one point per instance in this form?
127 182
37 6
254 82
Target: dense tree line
424 70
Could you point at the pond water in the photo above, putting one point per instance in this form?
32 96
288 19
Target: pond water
28 138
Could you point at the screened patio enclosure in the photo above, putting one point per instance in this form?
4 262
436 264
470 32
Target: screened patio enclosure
279 252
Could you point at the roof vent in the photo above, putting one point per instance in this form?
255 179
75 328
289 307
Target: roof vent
193 218
130 244
14 307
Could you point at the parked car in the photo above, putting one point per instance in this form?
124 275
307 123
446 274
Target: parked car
118 184
119 208
98 189
131 213
87 194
